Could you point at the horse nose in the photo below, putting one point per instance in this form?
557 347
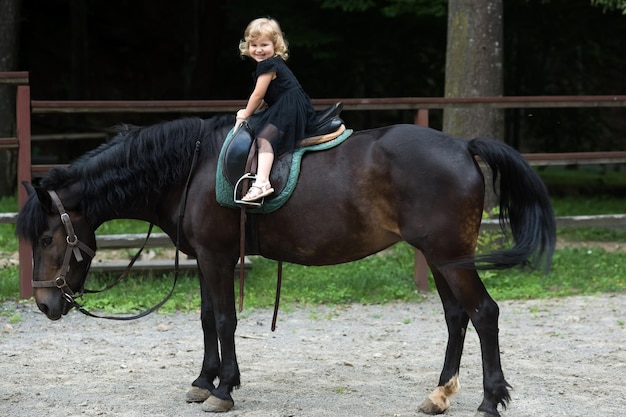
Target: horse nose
49 312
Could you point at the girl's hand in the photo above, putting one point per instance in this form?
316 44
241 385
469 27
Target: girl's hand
240 118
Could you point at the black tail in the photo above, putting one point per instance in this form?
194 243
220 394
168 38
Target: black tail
524 202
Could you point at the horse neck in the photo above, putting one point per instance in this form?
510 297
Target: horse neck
153 209
98 206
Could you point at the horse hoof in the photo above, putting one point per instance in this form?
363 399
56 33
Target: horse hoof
438 401
197 395
429 407
439 406
217 405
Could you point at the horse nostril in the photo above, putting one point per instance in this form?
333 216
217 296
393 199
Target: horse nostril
44 308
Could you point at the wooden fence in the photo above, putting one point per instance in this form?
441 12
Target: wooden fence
25 107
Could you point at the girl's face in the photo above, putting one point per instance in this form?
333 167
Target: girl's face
261 49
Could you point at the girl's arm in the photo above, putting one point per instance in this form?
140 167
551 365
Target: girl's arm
256 98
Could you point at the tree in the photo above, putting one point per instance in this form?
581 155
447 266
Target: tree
8 53
474 60
608 5
474 57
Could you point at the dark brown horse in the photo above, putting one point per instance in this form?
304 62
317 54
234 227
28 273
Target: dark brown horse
381 186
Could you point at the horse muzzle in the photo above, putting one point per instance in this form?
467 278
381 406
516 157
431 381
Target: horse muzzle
52 303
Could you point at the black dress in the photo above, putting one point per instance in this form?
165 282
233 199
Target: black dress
289 110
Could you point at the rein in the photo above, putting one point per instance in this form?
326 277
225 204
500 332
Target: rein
74 245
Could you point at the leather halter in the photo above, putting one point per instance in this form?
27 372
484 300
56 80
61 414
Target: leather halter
74 247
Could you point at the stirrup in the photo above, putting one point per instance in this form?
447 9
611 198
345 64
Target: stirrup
258 203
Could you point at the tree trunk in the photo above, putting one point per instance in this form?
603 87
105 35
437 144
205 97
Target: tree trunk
474 61
9 11
474 66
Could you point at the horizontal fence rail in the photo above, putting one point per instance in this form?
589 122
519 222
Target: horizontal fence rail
349 104
15 78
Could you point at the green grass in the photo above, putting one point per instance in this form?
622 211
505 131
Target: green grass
7 231
140 292
575 271
582 206
355 282
125 226
9 275
584 178
377 279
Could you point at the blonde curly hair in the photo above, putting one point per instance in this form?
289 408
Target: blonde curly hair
260 27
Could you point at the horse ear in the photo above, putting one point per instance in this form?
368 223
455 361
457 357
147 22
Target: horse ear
44 198
42 195
29 188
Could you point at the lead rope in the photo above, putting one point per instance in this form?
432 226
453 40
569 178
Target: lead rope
128 268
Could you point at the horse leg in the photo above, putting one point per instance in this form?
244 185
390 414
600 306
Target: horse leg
203 385
217 272
438 401
466 286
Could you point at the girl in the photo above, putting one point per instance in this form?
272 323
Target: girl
289 110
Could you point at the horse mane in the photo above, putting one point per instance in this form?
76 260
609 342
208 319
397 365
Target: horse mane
136 163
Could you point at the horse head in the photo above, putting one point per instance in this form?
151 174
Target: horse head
63 245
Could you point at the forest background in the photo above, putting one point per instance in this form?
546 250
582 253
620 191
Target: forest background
187 50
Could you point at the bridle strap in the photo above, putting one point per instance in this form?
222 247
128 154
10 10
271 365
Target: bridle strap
74 246
72 239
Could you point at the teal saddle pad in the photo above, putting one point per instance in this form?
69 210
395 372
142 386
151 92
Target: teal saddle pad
224 190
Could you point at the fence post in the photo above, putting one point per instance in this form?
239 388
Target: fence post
24 174
420 269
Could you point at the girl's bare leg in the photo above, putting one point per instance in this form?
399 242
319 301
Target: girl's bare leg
265 161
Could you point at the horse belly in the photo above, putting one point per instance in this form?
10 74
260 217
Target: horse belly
325 234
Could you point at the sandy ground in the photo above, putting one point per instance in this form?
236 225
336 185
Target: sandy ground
564 357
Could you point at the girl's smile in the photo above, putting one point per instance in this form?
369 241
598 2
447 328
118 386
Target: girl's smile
261 49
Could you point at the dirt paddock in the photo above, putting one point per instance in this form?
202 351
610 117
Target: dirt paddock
563 357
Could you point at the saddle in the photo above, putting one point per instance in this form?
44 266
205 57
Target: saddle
284 175
238 152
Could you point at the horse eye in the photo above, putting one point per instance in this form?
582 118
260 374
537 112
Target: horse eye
46 241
